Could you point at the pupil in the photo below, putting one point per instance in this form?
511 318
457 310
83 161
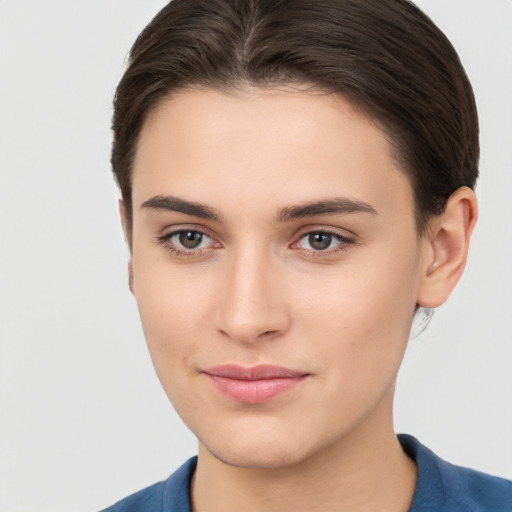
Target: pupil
190 239
320 241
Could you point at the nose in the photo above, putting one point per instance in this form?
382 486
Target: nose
252 305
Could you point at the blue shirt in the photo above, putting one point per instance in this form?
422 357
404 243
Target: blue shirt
441 487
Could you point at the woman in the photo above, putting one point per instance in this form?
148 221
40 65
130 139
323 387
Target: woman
297 184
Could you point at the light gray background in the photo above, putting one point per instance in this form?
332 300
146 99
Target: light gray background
83 421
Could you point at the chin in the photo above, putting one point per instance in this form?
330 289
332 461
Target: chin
259 451
259 458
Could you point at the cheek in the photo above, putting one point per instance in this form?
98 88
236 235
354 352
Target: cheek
173 319
174 312
363 315
358 331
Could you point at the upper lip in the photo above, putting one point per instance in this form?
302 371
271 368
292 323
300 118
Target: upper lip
260 372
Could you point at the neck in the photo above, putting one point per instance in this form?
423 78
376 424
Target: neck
365 471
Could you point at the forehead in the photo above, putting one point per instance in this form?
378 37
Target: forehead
264 146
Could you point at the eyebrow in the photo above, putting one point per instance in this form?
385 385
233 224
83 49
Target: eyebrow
175 204
339 205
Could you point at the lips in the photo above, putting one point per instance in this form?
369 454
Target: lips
253 385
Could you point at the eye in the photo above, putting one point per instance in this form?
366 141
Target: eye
190 239
186 241
319 241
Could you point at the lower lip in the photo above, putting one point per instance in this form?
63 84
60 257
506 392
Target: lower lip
254 391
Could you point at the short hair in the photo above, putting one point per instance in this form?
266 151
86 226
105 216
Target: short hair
386 57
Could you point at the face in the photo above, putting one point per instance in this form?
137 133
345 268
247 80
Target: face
275 265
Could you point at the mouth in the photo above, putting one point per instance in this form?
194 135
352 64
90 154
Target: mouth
256 384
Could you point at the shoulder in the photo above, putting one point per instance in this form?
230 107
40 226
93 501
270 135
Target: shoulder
478 492
147 500
171 494
452 488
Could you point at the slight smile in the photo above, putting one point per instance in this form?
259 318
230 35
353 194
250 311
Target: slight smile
254 385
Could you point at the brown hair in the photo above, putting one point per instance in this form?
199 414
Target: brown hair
386 56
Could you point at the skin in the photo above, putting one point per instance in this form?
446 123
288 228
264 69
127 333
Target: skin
258 292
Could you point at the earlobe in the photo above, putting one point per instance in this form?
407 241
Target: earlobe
445 248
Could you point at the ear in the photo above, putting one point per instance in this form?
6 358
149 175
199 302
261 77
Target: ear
124 224
445 248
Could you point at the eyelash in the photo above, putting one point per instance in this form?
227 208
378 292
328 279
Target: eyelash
343 243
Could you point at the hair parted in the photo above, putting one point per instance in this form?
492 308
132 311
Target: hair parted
385 56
